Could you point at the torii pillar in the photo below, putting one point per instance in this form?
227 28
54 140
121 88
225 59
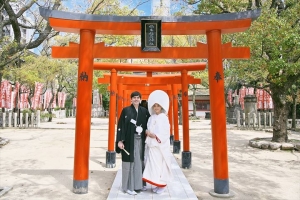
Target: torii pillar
110 153
186 153
83 115
176 141
218 115
170 115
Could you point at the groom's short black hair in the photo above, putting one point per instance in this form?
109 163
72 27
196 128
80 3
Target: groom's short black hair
135 93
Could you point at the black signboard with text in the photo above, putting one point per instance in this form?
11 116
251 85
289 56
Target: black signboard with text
151 35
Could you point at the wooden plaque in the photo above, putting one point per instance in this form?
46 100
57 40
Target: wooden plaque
151 35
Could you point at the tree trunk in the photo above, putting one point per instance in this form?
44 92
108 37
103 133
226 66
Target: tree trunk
280 114
294 112
50 105
50 114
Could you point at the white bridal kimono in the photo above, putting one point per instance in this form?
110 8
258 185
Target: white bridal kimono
157 153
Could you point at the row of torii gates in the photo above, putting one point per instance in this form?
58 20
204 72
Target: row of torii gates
213 26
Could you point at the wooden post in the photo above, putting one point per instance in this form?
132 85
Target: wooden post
176 142
186 154
110 153
83 115
170 115
120 99
218 113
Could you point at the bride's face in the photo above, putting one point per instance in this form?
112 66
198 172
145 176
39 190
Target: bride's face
157 108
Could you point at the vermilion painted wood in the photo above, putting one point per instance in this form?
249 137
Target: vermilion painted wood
120 99
149 89
149 74
83 112
185 113
144 94
161 79
134 28
170 112
121 76
121 87
200 51
175 91
112 109
217 106
150 80
150 68
143 88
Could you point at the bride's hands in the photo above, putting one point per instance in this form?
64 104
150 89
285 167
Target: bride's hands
149 134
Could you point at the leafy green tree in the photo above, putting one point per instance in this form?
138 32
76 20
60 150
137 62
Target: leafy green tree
275 51
57 75
25 74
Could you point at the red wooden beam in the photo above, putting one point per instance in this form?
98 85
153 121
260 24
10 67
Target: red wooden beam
200 51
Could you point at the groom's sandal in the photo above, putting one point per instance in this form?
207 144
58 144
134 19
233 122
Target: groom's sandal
131 192
144 188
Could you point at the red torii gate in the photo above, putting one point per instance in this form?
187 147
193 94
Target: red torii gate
213 26
129 82
184 80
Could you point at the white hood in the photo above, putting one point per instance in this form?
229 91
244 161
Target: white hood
160 97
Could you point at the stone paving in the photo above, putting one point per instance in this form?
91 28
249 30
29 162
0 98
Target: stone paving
38 164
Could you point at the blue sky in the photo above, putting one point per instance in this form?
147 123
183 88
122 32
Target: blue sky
80 5
146 7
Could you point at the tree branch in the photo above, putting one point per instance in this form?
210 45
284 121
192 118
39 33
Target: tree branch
94 10
25 8
13 20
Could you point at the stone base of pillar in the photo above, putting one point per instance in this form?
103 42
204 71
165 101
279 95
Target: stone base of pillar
229 195
110 159
80 187
221 189
171 139
186 158
176 146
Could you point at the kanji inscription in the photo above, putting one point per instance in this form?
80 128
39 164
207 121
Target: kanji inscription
151 35
218 76
83 76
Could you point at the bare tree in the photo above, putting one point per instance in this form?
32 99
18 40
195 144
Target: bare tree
22 17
